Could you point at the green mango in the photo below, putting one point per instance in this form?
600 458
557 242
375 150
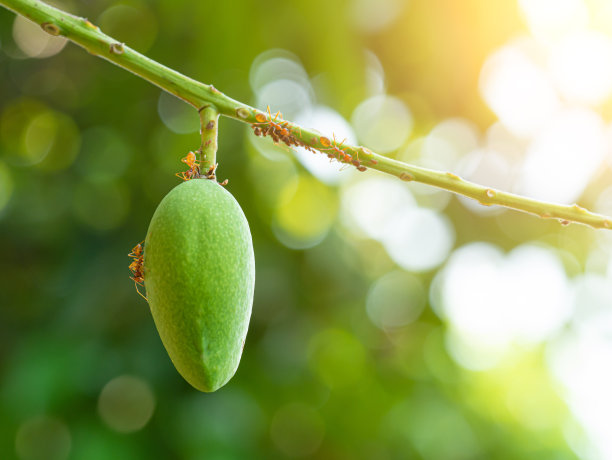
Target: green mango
199 275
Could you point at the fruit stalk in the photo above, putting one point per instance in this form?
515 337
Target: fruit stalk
199 95
209 128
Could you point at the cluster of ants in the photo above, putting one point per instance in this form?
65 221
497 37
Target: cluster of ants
280 131
277 130
136 267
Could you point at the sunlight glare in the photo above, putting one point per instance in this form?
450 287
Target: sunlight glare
499 300
550 19
383 123
580 362
581 65
516 87
368 206
562 159
418 239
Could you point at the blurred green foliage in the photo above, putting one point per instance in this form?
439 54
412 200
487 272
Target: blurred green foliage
84 160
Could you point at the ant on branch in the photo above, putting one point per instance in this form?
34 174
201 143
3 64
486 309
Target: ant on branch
194 167
136 267
340 153
334 150
277 128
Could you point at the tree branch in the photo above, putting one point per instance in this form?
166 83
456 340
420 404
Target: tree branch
87 35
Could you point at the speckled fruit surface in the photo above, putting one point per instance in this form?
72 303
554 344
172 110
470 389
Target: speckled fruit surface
199 272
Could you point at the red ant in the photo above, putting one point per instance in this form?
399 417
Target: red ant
274 127
281 129
333 145
194 167
136 267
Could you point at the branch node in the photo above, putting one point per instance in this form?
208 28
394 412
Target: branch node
579 209
406 176
50 28
89 24
116 48
243 113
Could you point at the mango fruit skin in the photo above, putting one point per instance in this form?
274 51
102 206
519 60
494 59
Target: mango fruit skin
199 271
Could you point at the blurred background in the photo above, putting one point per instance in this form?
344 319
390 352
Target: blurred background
390 320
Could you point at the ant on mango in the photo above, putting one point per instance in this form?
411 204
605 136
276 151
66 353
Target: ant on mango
136 267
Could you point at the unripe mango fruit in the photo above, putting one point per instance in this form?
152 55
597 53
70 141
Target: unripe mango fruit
199 272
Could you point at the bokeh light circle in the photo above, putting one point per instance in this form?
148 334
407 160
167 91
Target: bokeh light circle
515 85
179 117
562 158
276 64
290 97
374 15
395 299
550 20
493 301
297 430
337 358
134 24
304 212
418 239
369 204
126 403
33 134
382 123
43 438
35 42
581 65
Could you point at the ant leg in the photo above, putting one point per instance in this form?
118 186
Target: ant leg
139 293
